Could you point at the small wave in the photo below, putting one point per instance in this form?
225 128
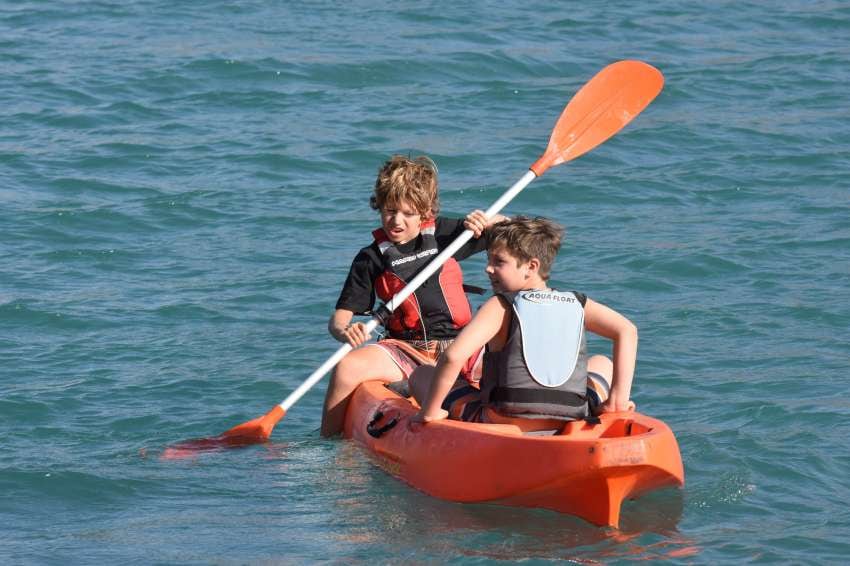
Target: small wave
19 314
66 486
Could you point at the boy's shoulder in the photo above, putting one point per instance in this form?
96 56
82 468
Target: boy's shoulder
446 223
371 253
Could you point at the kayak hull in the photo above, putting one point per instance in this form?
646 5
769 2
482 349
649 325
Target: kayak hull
587 470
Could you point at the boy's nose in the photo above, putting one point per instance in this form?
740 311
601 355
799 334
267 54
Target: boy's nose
488 269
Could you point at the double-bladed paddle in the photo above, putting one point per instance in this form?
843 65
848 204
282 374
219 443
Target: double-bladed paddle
600 109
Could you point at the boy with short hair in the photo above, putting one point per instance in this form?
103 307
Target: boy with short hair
410 236
536 371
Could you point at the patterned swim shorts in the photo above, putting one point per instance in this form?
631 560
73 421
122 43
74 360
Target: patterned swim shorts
410 354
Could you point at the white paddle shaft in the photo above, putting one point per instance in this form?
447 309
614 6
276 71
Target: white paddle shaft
408 290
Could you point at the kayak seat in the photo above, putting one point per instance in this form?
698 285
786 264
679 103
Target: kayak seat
539 427
551 432
400 387
618 428
625 427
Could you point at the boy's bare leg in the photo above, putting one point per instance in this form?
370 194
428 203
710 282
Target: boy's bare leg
358 366
601 365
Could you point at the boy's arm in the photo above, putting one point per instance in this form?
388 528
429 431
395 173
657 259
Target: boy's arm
477 222
607 322
478 332
342 329
356 297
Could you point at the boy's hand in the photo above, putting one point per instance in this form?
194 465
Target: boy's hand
353 333
610 406
477 222
422 418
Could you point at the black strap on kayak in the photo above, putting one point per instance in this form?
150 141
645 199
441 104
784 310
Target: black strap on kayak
377 432
512 395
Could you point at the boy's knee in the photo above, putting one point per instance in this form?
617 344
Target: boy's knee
349 370
601 365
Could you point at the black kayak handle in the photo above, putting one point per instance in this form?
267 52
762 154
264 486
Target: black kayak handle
379 431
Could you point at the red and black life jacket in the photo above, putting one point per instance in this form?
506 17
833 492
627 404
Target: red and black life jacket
439 307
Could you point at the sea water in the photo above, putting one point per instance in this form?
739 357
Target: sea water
183 186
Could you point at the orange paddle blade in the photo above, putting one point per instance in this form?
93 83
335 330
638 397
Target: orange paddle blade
254 431
600 109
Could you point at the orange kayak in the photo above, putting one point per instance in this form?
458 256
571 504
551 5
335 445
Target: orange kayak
586 470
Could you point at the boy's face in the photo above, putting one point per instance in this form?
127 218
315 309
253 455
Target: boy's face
400 221
505 272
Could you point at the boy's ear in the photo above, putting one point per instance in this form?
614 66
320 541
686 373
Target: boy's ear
534 265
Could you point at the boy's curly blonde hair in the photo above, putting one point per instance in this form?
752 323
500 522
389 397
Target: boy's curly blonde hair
526 238
409 180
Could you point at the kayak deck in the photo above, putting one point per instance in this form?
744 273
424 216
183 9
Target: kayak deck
586 470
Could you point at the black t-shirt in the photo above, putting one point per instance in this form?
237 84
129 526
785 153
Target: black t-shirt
358 291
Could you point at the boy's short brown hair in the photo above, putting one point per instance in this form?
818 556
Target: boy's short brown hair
526 238
412 180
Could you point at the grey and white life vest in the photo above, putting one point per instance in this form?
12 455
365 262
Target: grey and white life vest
541 371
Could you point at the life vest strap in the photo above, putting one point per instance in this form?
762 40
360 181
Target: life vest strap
515 395
474 290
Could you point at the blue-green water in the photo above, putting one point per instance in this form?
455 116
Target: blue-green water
183 186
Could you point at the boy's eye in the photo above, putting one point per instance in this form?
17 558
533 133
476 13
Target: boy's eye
405 213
